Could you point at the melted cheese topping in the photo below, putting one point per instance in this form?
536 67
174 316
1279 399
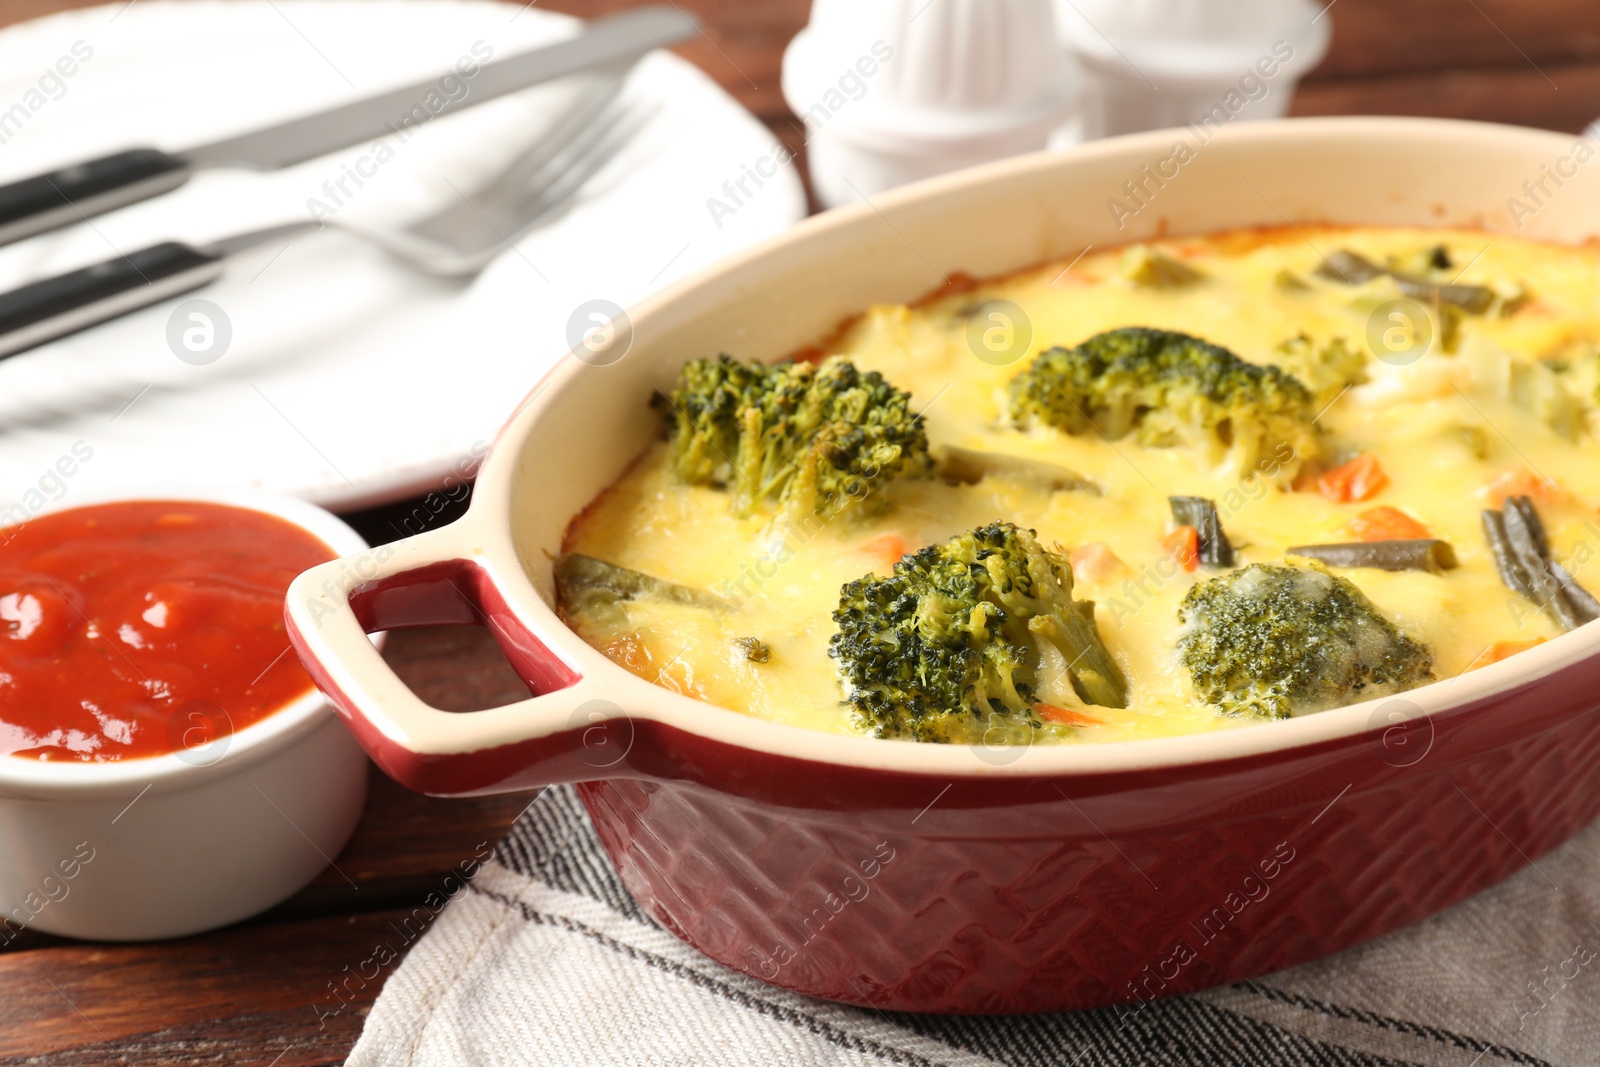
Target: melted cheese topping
1444 427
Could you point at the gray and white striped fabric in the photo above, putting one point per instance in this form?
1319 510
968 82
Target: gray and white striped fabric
544 959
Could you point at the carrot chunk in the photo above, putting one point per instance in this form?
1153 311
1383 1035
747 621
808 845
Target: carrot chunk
1387 524
1520 481
1184 545
1093 561
887 548
1361 479
1066 716
1502 650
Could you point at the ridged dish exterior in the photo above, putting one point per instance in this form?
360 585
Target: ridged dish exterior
1028 899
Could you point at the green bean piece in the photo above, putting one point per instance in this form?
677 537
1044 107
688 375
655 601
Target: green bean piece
1352 269
1521 549
1349 268
1533 553
579 577
1215 548
1523 507
1505 560
1473 299
1412 554
1584 604
964 466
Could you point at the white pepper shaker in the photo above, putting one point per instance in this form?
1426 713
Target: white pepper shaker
1153 64
896 90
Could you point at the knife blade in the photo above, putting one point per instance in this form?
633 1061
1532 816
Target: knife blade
70 194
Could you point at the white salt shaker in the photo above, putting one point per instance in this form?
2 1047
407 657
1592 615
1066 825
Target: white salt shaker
896 90
1151 64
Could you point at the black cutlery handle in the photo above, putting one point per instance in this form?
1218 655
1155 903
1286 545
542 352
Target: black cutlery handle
44 310
62 197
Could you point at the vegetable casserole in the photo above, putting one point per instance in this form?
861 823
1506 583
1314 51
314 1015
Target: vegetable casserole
1161 489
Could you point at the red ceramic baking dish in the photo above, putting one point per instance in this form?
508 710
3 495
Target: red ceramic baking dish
952 879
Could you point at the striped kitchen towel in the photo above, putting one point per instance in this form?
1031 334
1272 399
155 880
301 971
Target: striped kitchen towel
544 959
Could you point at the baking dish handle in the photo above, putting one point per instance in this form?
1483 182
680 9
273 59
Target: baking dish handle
570 730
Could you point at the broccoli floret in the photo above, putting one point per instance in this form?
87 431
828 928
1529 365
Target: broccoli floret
1172 389
1288 639
1543 393
794 435
962 639
1327 371
705 409
1577 367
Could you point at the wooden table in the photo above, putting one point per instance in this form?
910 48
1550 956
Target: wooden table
259 993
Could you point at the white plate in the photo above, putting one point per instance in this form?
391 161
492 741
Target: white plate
348 380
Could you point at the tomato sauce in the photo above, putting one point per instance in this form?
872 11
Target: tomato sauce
141 628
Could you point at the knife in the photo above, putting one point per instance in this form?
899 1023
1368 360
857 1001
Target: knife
54 307
61 197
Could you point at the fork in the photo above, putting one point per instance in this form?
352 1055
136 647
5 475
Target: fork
457 240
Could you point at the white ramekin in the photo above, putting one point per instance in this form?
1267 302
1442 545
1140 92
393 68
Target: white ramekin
171 845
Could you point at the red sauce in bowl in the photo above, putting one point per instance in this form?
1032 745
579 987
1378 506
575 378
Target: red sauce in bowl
142 628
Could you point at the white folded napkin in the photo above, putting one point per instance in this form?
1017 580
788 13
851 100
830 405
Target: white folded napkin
544 959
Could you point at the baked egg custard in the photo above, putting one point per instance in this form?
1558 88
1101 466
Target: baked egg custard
1158 490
